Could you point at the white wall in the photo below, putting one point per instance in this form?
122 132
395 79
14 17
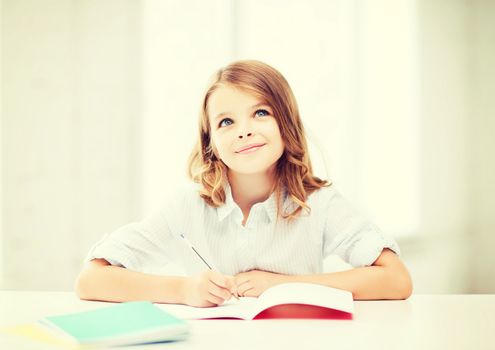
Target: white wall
179 56
70 93
2 237
100 103
353 69
481 164
454 252
438 259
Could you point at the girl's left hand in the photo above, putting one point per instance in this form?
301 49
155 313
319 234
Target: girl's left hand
255 282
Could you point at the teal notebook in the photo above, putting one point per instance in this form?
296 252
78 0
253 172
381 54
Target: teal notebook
136 322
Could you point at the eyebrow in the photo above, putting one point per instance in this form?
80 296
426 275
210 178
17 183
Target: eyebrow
251 108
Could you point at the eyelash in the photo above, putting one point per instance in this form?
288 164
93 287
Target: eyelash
258 110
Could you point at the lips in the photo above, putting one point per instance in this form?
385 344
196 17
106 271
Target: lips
247 147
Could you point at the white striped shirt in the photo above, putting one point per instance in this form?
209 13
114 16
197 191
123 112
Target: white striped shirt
297 247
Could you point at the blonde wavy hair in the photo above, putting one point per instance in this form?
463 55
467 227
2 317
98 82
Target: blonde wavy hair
293 170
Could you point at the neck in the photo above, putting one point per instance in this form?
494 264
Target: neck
248 189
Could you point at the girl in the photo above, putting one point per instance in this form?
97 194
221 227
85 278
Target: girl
255 212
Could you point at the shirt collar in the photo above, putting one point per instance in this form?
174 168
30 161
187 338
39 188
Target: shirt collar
229 205
269 205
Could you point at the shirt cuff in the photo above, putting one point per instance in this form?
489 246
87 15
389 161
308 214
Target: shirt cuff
368 249
114 252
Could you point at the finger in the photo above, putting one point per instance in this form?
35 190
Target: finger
244 288
251 292
219 279
207 303
224 282
219 291
232 285
214 299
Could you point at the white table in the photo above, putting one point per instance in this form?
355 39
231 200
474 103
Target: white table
421 322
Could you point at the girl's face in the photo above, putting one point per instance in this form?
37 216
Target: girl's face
238 120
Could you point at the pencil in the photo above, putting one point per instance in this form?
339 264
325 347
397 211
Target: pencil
199 255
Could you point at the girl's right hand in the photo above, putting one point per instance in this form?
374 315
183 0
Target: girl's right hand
210 288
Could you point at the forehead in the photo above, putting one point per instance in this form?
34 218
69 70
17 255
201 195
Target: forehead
230 99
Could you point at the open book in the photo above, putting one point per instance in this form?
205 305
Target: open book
287 300
128 323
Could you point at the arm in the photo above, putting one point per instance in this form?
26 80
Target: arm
101 281
387 278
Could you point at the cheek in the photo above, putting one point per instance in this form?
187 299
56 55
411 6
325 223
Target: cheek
274 133
279 143
219 145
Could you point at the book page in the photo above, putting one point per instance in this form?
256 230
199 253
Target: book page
288 293
243 309
306 293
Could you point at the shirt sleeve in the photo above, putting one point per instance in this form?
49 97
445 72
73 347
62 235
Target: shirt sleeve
350 235
138 245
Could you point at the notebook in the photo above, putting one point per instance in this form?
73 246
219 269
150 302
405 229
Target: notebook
287 300
127 323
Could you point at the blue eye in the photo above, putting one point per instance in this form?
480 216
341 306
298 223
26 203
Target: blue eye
221 124
263 111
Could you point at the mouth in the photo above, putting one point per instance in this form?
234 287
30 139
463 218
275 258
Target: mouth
250 148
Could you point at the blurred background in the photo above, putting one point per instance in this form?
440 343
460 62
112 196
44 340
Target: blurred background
100 100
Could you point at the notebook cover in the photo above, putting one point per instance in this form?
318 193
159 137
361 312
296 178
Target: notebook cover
121 320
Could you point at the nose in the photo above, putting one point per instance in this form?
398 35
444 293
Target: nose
247 135
244 128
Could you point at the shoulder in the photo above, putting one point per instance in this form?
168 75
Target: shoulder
176 205
181 196
330 201
323 195
186 194
188 188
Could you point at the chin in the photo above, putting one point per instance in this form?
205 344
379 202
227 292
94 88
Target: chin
249 170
